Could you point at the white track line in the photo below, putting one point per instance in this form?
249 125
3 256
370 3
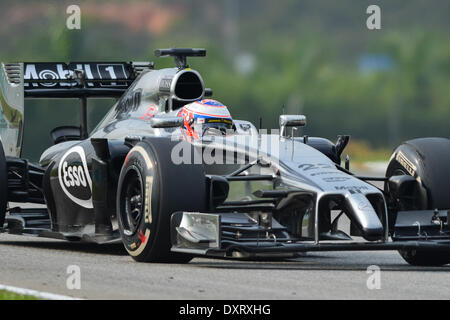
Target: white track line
37 294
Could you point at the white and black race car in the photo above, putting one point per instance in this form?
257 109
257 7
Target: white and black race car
135 179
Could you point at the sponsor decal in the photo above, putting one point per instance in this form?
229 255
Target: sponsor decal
74 177
164 85
129 102
405 163
336 179
150 113
352 189
364 205
326 173
60 71
148 210
309 166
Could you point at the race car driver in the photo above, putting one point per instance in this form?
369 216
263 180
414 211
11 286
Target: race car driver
206 117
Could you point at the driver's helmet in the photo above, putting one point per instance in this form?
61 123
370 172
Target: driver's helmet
206 117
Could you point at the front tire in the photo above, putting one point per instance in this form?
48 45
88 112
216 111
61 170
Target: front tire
417 257
151 188
428 160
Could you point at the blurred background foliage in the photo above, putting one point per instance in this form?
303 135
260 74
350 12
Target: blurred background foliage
312 57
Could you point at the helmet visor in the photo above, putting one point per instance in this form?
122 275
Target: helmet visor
214 126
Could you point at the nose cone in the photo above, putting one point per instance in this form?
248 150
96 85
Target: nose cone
364 216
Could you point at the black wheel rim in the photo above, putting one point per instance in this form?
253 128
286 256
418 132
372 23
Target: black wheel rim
132 201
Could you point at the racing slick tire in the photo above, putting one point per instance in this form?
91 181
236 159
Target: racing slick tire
427 159
3 185
151 187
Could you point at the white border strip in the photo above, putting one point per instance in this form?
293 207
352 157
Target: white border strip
37 294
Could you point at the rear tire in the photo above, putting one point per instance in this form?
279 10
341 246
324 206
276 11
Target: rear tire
3 186
427 159
151 188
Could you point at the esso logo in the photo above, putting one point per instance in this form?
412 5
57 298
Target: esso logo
74 178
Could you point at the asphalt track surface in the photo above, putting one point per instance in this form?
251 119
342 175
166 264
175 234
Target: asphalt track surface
107 272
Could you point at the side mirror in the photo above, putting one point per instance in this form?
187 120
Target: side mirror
291 120
341 143
167 122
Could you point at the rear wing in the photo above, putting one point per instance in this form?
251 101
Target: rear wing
83 80
80 79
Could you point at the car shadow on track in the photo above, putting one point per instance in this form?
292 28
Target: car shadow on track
311 263
107 249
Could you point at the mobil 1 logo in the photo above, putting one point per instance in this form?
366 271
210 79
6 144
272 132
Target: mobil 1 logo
101 74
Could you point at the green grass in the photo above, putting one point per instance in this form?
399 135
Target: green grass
7 295
360 152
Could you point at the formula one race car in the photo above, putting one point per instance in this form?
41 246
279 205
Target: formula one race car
138 178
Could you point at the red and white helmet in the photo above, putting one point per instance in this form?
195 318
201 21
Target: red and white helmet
205 116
